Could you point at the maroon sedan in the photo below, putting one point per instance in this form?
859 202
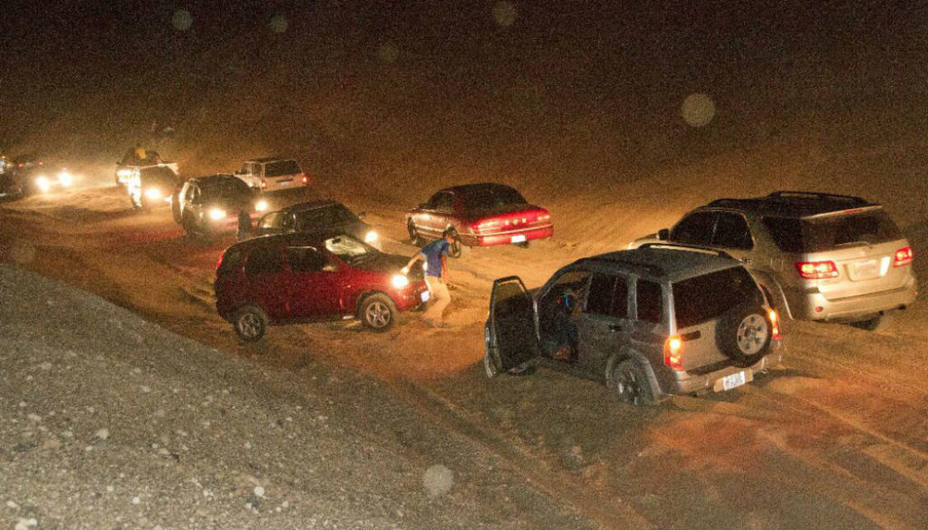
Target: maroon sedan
309 277
479 215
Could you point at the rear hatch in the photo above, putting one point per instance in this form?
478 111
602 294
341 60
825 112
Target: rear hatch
847 253
282 174
702 306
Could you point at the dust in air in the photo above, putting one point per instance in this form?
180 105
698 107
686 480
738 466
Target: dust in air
697 110
182 20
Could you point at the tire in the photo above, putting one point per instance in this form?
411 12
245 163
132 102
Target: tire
457 247
745 336
250 323
414 236
630 384
378 312
175 208
877 323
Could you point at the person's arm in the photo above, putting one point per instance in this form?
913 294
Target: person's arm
416 257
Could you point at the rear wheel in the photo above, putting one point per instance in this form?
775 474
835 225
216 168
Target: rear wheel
745 336
457 248
378 312
631 384
414 236
250 323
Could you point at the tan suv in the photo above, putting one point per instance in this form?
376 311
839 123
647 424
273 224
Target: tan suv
818 256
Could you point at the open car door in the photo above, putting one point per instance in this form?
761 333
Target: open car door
513 327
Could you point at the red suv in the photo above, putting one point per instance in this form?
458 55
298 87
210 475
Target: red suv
307 277
479 215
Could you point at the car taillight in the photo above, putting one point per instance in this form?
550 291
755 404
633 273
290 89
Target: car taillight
903 256
544 217
263 184
673 352
305 179
219 263
774 324
486 225
817 270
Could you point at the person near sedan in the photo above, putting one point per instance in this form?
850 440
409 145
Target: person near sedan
435 256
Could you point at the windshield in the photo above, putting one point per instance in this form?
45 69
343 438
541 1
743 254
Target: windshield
282 167
224 188
321 217
350 250
492 199
825 233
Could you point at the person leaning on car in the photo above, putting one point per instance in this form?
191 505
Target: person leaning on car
435 256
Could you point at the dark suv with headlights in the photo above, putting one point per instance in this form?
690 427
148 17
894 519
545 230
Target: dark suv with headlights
818 256
211 205
650 322
305 277
313 216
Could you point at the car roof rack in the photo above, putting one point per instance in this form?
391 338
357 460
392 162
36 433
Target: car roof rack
788 194
687 247
651 268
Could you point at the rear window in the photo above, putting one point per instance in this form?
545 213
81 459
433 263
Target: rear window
231 261
708 296
321 217
282 167
492 198
815 235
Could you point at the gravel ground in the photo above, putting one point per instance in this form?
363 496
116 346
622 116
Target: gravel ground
109 421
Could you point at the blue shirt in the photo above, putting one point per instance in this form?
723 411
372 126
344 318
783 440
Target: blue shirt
432 253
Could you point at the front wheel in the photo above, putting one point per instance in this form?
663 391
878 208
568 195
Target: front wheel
630 384
378 312
250 323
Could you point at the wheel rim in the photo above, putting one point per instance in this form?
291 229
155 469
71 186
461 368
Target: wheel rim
628 388
413 235
377 314
249 325
456 247
752 334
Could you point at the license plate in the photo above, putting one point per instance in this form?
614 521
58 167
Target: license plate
734 380
518 238
866 270
424 295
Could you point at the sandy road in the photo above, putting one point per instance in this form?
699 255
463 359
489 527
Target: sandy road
837 437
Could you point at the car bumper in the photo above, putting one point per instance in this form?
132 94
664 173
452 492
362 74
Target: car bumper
509 237
416 294
814 305
688 383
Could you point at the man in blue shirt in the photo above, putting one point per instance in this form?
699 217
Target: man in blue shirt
435 256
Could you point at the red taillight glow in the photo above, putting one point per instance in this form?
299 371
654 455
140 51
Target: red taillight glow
544 217
263 184
774 324
487 225
219 262
305 179
817 270
673 352
903 256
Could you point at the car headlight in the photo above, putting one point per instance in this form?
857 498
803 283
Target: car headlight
65 178
217 213
42 182
371 236
261 206
399 281
154 194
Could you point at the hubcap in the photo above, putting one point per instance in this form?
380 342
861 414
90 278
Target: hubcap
752 334
249 325
378 314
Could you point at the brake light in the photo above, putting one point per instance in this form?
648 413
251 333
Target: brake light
817 270
903 256
219 263
263 184
545 217
774 324
673 352
486 225
305 179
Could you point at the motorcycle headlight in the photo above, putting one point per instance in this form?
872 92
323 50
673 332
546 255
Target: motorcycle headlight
217 213
399 281
154 194
261 206
371 236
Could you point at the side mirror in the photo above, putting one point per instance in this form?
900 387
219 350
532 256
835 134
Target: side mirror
663 234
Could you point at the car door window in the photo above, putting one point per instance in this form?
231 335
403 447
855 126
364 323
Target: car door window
444 202
264 260
568 288
695 228
608 296
648 300
731 231
271 220
306 259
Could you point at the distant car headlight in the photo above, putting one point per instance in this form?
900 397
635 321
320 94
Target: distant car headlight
65 178
371 236
217 214
42 182
399 281
261 206
153 194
